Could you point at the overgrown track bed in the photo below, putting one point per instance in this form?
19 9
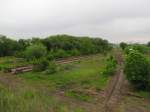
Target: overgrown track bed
58 61
83 79
73 59
113 91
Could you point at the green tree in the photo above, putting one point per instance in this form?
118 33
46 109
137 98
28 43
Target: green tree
84 45
24 43
63 45
137 69
8 46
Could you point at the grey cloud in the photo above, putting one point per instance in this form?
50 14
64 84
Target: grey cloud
115 20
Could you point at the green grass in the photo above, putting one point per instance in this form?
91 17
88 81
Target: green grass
133 104
31 100
12 62
78 95
21 100
34 94
84 74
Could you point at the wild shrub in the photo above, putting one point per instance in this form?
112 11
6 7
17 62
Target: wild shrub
111 65
50 56
36 51
45 66
60 53
74 52
20 54
52 68
137 69
40 65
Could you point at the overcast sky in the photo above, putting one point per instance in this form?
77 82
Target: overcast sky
115 20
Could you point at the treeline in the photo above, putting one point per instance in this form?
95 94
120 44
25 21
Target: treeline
57 46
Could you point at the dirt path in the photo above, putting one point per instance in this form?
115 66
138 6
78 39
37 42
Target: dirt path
114 92
114 89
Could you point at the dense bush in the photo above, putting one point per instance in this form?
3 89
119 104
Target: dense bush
111 65
44 65
35 51
62 54
40 65
50 56
74 52
137 69
52 68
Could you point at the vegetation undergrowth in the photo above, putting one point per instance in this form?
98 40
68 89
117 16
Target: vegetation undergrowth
78 95
137 70
22 100
30 100
111 65
83 73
